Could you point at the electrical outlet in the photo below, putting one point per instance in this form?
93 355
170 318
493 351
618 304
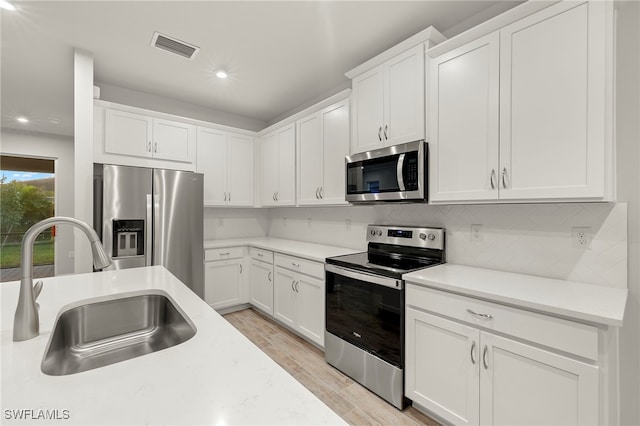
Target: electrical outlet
581 237
347 224
476 233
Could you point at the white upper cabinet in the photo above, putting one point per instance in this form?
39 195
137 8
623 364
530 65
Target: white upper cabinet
278 167
226 160
463 120
522 113
323 143
131 134
388 102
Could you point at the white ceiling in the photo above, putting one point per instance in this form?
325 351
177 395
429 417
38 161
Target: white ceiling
279 55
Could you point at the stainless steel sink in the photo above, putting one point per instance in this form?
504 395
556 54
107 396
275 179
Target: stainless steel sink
108 331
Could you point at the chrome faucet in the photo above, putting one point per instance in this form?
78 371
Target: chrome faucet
26 323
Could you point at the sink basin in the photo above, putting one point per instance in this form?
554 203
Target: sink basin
105 332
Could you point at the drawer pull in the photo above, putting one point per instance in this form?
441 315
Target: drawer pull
484 357
269 276
297 265
486 316
473 348
260 255
225 254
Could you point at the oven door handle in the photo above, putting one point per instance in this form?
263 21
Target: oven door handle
362 276
399 170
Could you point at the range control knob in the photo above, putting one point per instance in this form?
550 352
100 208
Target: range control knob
372 232
432 237
423 236
379 233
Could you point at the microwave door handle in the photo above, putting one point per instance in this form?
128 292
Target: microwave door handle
399 170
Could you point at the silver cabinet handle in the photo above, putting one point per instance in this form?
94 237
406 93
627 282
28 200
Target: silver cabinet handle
229 197
277 192
297 283
386 127
149 147
225 254
380 131
260 254
292 285
273 197
487 316
484 357
493 179
240 268
473 348
269 276
225 196
321 192
317 192
504 178
297 265
155 147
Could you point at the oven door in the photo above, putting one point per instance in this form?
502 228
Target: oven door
394 173
367 311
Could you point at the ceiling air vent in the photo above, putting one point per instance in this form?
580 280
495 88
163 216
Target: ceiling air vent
174 46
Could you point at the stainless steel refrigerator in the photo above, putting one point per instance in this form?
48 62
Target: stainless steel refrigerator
150 217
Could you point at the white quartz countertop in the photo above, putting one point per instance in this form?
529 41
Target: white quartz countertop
587 302
218 377
311 251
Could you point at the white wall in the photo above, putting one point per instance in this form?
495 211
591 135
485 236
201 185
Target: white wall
628 145
121 95
60 149
224 223
526 238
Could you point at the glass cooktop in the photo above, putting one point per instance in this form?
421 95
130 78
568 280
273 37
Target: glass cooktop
390 265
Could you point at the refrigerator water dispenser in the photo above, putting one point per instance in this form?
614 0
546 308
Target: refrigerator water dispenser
128 237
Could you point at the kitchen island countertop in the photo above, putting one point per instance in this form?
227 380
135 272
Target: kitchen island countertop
217 377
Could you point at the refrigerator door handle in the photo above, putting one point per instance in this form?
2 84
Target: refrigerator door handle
148 230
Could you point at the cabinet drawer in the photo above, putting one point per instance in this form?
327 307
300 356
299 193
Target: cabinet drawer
260 254
222 253
564 335
304 266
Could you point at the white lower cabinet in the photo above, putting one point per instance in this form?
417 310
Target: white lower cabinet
299 298
467 375
224 284
261 279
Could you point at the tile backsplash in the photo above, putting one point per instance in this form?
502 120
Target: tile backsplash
532 239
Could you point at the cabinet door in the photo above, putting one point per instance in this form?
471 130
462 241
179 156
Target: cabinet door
127 134
270 172
523 385
223 283
404 97
310 159
262 286
463 126
335 138
552 138
441 367
212 162
310 295
240 170
286 192
368 110
173 141
284 296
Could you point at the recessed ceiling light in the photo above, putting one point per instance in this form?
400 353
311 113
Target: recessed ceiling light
221 74
23 120
6 5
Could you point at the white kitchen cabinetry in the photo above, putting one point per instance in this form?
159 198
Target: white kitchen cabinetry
540 370
323 143
278 167
261 278
226 160
299 296
224 282
131 134
522 113
388 102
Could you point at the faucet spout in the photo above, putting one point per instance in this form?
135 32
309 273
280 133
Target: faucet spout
26 322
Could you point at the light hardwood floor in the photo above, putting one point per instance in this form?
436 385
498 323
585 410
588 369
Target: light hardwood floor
355 404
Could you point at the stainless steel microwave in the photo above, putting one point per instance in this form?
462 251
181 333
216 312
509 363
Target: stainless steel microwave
394 173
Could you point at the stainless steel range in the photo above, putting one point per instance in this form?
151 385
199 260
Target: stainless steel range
365 294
